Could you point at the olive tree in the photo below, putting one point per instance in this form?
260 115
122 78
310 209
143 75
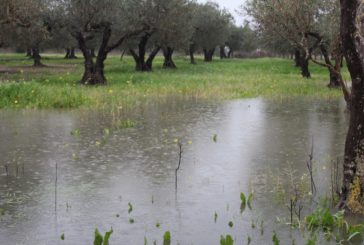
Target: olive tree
101 23
300 23
211 26
25 23
175 30
169 22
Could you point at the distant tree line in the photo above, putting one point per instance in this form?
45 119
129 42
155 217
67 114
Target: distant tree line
141 28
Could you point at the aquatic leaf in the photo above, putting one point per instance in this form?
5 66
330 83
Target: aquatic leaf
145 241
107 237
250 200
98 238
214 138
242 208
62 237
130 208
226 241
275 239
131 221
243 198
215 218
167 238
243 202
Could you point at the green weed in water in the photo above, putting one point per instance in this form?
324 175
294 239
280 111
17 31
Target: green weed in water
231 224
102 240
275 239
167 238
214 138
75 133
130 208
243 202
62 237
228 240
125 124
250 200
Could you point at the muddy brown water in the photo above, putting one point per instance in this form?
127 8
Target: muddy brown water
101 172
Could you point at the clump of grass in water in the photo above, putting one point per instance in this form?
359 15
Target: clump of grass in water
275 239
100 239
125 124
76 133
167 238
228 240
130 208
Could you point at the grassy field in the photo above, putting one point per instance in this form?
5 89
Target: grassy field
56 86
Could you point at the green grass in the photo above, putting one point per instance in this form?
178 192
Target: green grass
56 86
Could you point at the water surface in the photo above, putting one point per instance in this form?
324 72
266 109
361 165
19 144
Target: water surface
101 171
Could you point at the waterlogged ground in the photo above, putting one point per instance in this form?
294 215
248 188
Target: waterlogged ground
108 160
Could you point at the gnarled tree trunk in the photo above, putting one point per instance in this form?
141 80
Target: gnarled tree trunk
37 58
353 46
209 54
140 63
168 58
305 59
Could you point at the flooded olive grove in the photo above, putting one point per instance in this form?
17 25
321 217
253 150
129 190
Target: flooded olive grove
65 173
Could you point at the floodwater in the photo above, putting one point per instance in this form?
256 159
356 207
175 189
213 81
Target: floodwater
101 169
